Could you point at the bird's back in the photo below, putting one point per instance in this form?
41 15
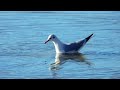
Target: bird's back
76 45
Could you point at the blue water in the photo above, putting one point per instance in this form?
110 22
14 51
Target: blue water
23 54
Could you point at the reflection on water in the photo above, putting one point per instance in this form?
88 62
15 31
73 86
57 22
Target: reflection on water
60 59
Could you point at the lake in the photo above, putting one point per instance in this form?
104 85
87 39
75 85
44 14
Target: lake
23 54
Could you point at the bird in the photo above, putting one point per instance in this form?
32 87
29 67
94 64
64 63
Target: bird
62 48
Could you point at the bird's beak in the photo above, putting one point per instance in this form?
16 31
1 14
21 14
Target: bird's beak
46 41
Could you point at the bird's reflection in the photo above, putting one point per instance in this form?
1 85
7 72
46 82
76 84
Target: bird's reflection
62 58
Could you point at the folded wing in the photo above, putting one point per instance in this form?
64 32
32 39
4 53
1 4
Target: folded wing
76 45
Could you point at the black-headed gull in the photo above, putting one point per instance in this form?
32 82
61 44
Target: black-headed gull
67 48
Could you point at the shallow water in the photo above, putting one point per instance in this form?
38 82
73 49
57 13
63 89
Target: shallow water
23 53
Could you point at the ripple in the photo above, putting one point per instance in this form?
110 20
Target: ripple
102 53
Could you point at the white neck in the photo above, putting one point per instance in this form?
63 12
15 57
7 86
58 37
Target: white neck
58 45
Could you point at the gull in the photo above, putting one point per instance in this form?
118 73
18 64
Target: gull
61 47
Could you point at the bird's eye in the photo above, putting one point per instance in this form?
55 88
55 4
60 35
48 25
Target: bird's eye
53 37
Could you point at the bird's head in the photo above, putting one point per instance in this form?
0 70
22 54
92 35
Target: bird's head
50 38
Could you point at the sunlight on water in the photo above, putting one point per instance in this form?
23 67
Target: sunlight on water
23 53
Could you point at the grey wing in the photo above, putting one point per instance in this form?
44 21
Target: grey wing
73 46
76 45
83 42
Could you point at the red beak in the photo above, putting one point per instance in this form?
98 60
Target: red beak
46 41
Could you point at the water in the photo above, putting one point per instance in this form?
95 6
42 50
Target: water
23 53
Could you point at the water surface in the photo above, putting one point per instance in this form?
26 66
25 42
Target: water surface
23 53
